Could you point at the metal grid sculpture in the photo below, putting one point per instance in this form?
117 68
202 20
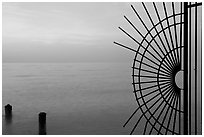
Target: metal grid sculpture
160 55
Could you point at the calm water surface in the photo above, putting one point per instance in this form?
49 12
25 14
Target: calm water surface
79 98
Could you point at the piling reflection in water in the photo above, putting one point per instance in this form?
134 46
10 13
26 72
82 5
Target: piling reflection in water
8 119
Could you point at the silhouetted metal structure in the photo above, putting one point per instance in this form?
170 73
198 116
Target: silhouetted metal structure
166 44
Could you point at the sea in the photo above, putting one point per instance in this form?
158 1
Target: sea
78 98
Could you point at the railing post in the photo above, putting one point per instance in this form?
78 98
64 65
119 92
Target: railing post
185 94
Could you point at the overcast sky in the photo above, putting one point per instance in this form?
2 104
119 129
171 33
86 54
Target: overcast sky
64 32
74 32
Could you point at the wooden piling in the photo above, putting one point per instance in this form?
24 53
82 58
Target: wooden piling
42 123
8 110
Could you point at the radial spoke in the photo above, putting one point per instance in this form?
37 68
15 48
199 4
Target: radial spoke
172 95
139 108
150 71
136 52
170 62
170 116
175 30
171 50
146 27
166 86
163 31
145 128
168 73
144 82
172 43
175 114
145 113
165 115
166 67
125 46
154 77
157 110
151 87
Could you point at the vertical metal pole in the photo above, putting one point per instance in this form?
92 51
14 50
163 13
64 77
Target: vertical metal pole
201 78
185 94
196 69
181 58
189 79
